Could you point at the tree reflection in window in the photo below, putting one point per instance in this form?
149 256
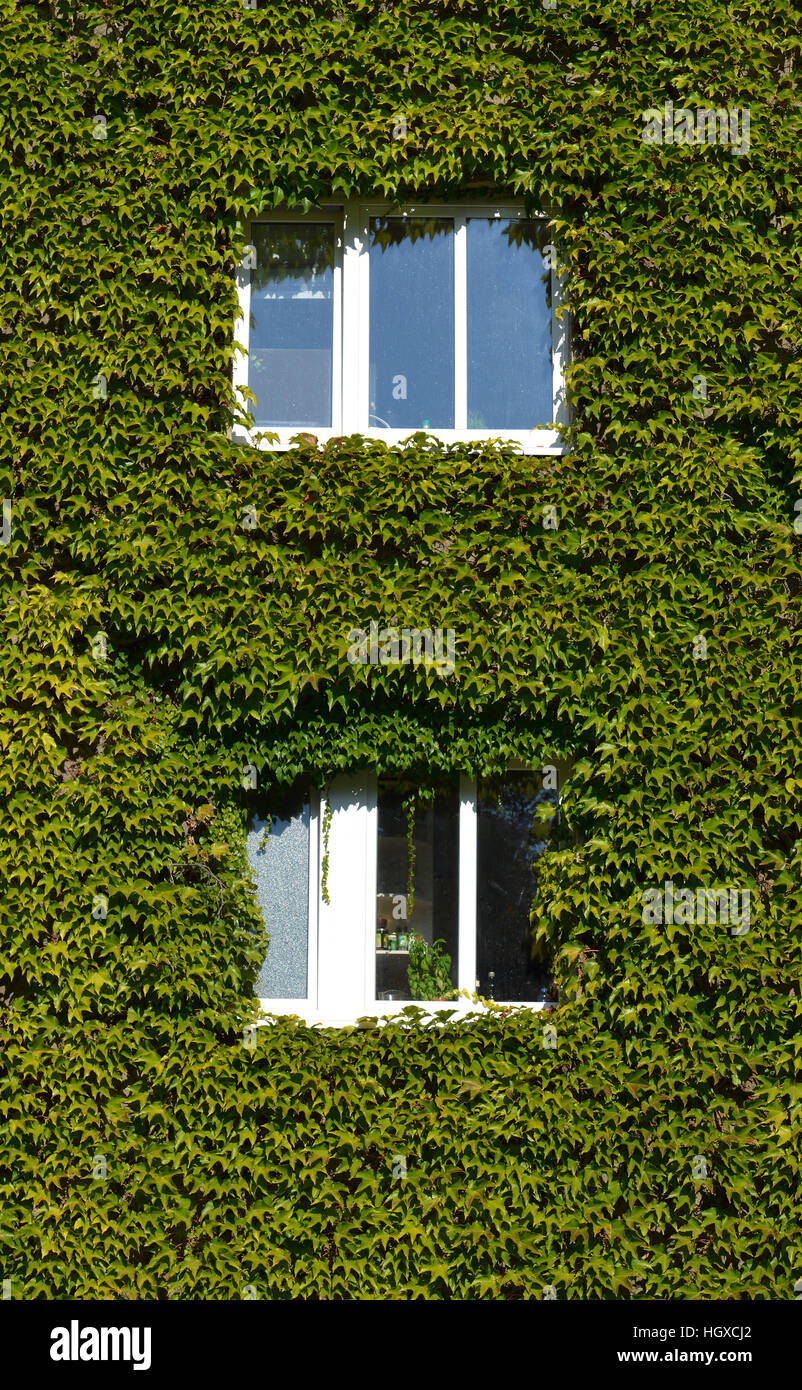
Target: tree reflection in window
515 820
292 319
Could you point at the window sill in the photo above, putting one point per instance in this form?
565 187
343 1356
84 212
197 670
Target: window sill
530 442
380 1010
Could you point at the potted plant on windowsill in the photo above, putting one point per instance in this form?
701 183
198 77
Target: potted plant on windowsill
429 971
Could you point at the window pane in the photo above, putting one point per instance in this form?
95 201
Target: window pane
280 864
513 830
292 317
509 326
412 322
435 884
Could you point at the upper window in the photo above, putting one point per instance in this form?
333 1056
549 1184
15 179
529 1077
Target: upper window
371 320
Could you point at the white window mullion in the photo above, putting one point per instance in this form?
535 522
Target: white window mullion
337 333
242 332
354 341
466 972
460 323
560 328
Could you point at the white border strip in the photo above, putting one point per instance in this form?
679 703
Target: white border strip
460 325
468 838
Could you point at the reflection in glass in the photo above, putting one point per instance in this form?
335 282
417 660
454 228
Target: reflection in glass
280 864
292 318
513 830
434 907
412 323
509 326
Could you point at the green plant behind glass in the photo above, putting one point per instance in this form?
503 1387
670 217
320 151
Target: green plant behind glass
429 970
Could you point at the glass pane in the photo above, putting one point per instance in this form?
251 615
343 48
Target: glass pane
509 326
412 323
433 911
513 829
292 318
280 864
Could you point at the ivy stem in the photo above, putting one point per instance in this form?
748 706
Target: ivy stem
324 865
409 807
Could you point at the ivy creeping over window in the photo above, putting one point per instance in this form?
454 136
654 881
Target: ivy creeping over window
432 894
385 322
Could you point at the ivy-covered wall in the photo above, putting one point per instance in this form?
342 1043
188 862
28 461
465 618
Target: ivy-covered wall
150 1144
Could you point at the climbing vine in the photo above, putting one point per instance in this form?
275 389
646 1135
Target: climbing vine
324 863
409 807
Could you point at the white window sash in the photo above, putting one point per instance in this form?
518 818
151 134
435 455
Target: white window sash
343 919
242 336
466 960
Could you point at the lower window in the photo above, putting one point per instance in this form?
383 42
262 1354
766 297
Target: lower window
398 894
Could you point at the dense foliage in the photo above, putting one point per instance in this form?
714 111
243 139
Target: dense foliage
151 1145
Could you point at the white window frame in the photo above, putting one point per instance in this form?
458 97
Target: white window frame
342 931
351 324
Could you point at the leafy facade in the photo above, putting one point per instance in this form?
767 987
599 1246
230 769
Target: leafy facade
268 1162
